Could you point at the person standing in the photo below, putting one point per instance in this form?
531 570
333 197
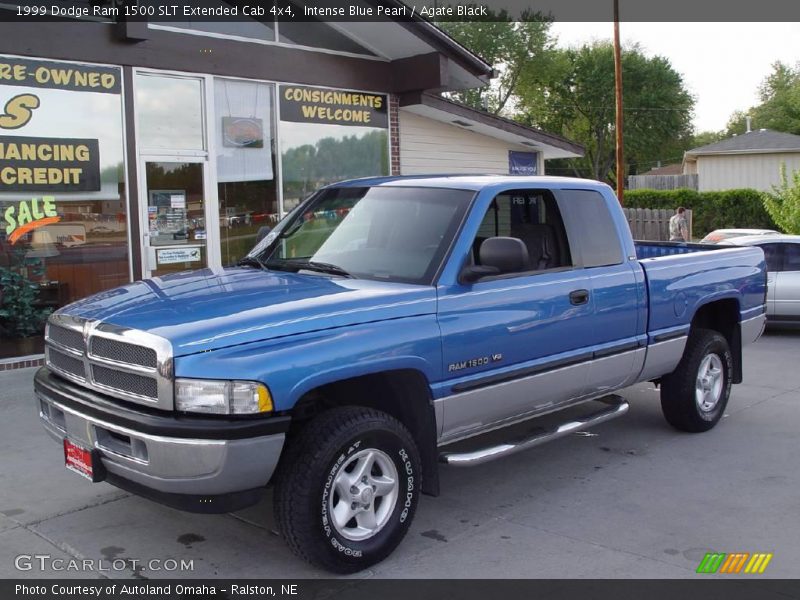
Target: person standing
678 226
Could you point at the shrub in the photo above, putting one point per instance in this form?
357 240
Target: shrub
783 204
710 210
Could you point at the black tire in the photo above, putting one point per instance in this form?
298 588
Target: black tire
306 491
683 406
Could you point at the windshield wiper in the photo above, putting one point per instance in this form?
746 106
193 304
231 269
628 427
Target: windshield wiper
321 267
251 261
283 264
324 267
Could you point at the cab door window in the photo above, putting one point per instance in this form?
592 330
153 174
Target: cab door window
533 217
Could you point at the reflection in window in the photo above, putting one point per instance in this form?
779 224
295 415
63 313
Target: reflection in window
62 245
772 256
170 112
791 257
314 155
248 203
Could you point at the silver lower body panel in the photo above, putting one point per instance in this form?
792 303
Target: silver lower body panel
752 329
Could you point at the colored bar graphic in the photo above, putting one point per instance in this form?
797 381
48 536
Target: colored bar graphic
733 563
759 562
711 562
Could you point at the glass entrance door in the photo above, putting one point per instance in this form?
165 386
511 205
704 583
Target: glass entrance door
175 223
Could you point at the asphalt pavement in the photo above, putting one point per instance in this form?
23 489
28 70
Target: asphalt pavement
631 498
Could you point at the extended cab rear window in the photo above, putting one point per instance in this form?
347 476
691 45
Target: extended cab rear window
592 225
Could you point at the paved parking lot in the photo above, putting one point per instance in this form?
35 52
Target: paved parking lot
633 498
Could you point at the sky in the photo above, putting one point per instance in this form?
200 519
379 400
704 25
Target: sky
722 63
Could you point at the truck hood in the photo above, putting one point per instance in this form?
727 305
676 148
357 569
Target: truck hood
205 310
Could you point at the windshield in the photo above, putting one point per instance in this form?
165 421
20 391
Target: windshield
387 233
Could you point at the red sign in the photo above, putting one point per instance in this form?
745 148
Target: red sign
78 459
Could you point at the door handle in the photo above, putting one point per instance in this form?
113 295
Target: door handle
578 297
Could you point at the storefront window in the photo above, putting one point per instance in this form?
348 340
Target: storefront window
63 204
170 112
330 135
248 200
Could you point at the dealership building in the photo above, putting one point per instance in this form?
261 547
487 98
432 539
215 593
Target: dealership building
133 150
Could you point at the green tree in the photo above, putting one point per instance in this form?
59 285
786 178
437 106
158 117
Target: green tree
783 204
513 47
704 138
575 98
779 107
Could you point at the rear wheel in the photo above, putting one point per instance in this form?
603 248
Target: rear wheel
694 396
347 489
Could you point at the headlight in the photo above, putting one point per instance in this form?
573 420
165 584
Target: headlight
222 397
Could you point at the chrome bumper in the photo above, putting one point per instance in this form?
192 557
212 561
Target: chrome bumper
188 466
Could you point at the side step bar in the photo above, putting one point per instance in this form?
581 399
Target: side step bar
618 406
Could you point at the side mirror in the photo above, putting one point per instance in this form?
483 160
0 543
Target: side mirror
263 232
498 255
472 273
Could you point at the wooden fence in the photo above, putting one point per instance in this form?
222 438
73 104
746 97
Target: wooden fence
662 182
652 224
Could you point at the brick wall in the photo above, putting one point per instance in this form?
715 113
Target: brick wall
8 365
394 134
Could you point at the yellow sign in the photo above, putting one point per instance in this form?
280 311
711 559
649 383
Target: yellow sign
335 107
29 215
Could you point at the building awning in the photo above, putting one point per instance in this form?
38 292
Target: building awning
400 40
453 113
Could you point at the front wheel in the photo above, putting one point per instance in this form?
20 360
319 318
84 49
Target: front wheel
695 394
347 489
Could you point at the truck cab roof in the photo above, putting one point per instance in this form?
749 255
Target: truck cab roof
475 182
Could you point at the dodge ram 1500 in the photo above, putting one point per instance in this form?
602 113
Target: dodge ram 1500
381 324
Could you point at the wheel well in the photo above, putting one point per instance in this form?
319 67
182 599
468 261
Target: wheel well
404 394
723 316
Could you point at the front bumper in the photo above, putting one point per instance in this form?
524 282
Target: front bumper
196 463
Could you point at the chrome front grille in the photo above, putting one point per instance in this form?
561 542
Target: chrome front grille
66 363
141 385
123 352
68 338
125 363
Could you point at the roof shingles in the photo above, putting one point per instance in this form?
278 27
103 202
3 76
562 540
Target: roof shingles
762 140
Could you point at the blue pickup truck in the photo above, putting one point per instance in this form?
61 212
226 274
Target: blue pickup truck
381 330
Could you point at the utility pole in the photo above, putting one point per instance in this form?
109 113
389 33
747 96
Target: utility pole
618 102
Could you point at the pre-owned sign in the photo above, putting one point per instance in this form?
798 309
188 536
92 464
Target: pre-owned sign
49 164
335 107
59 76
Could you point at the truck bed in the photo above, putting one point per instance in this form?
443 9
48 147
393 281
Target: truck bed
682 277
645 249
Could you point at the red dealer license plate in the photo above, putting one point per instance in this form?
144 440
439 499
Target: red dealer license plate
82 461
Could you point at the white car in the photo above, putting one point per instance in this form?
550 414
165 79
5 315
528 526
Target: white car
782 253
721 235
